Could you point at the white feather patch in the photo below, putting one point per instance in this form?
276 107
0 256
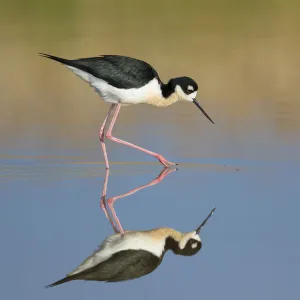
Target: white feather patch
183 96
194 245
187 237
193 95
112 94
116 243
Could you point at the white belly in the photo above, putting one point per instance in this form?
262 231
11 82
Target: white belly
146 94
116 243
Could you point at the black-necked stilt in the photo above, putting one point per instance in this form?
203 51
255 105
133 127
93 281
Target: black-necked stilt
114 221
122 80
134 254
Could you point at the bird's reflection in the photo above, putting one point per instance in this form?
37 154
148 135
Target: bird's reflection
104 203
127 255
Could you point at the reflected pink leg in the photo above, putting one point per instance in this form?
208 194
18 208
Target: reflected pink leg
165 162
165 172
103 202
101 135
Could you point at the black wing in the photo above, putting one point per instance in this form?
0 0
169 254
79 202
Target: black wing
124 265
118 71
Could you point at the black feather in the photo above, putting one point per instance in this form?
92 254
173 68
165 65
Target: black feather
121 266
119 71
132 264
61 281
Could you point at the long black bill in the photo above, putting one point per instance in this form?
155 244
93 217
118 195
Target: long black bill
205 114
203 223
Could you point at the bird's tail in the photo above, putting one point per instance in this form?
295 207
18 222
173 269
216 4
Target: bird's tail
56 58
75 66
66 279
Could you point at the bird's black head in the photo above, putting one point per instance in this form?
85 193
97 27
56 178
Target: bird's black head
186 89
188 86
188 246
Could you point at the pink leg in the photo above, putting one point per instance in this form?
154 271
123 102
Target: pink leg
165 172
103 202
165 162
101 135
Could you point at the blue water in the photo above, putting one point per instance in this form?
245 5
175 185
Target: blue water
51 218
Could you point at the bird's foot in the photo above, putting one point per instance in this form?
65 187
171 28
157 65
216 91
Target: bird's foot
165 162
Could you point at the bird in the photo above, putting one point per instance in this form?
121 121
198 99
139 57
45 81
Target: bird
122 80
134 254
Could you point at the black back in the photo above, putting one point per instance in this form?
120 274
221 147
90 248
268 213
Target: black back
129 264
118 71
123 265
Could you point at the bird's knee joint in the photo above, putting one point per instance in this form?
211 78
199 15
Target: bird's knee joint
110 203
109 136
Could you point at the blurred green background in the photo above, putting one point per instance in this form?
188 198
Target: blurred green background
243 54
